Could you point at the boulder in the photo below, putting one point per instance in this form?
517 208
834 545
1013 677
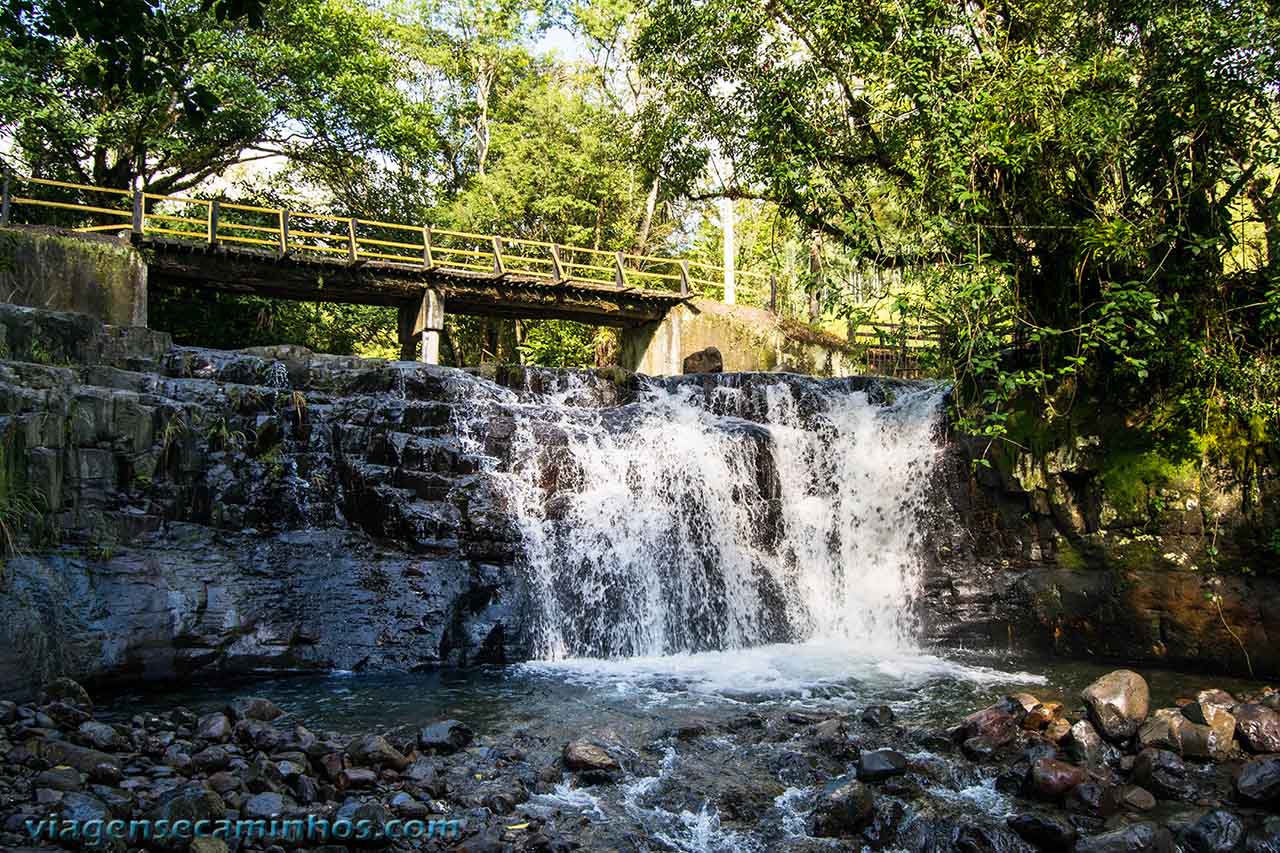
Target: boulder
876 765
706 360
254 708
878 716
1050 833
1039 717
264 806
843 808
66 690
1258 728
1051 779
215 728
1161 772
1134 838
582 754
1259 780
374 751
998 723
1118 703
190 803
102 736
1083 745
1215 832
444 737
1163 730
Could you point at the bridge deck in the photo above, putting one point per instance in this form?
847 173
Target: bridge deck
312 278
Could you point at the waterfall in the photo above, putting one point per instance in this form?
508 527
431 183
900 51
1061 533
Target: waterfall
720 513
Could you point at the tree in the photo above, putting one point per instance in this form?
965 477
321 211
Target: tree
177 92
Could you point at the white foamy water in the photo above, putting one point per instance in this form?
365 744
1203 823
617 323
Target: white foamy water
773 511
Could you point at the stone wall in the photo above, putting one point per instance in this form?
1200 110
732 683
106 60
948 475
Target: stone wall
103 277
749 339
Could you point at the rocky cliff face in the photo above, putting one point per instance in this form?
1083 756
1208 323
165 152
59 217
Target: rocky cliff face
241 511
1123 556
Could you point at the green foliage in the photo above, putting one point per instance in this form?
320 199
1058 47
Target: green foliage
558 343
20 503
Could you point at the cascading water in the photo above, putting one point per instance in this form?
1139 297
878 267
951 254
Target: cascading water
722 513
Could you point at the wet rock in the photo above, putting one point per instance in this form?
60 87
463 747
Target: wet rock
81 758
1131 798
1090 798
1047 832
981 748
211 759
102 736
1039 717
1215 832
1051 779
584 755
1118 703
357 777
444 737
831 737
374 751
998 723
59 779
1136 837
706 360
983 838
191 803
843 808
1258 728
354 811
1163 730
878 716
254 708
1259 780
1161 772
66 690
262 775
1056 730
877 765
263 806
208 845
215 728
1264 838
1083 745
1213 728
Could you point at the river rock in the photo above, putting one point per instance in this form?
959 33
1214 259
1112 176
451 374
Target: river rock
59 779
1134 838
1057 730
1039 717
1264 838
66 690
1259 780
193 802
1163 730
211 759
215 728
374 751
1258 728
444 737
1160 772
1083 745
876 765
584 755
843 808
878 716
254 708
1212 742
1215 832
102 736
1051 779
1131 798
998 723
1090 798
706 360
1050 833
263 806
1118 703
356 777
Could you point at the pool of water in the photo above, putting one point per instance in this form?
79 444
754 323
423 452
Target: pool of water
925 690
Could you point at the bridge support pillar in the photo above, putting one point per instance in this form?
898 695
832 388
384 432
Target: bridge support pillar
429 322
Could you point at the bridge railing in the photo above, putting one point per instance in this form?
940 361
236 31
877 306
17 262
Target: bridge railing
301 233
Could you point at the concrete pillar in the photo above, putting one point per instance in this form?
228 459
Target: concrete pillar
430 323
730 251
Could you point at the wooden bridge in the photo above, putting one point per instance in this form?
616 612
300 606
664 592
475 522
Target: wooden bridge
419 269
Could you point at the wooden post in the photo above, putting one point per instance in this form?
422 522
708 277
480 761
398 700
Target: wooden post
557 271
619 272
498 268
284 233
773 292
353 254
4 202
137 213
684 278
427 262
215 207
